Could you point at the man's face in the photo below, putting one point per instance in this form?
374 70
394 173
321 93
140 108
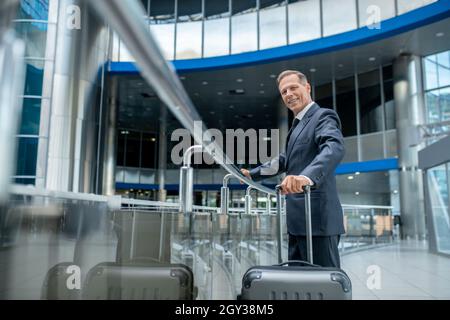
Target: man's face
296 96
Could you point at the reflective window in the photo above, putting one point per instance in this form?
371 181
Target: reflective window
408 5
338 16
443 68
243 33
431 74
346 105
272 27
217 28
133 145
432 103
438 185
217 37
304 21
33 9
371 110
121 147
35 36
31 114
189 40
388 89
437 86
149 150
372 11
27 156
324 95
34 77
165 36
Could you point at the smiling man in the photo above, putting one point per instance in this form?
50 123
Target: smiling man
314 148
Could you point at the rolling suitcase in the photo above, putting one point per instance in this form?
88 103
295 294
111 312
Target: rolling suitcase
296 280
139 281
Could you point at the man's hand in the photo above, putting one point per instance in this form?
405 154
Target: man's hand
246 173
293 184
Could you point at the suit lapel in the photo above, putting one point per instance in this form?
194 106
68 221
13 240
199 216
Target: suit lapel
301 125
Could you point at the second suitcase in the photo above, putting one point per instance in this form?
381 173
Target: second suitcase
113 281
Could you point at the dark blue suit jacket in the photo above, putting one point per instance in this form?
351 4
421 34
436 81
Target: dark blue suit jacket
315 148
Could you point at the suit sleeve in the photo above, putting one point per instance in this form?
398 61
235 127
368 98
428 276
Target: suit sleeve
270 169
330 144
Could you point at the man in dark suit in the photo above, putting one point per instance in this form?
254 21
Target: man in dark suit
314 148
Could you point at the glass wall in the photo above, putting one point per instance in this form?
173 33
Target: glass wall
304 21
371 109
32 26
244 33
346 105
217 28
338 16
439 191
370 10
272 27
207 28
137 149
437 87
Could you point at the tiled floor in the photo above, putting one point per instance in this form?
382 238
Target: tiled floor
402 271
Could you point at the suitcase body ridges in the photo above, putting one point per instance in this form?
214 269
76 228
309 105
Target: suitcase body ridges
295 283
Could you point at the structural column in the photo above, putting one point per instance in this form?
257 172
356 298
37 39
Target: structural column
81 51
110 133
162 152
409 111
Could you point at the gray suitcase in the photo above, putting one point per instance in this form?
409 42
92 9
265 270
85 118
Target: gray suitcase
296 280
55 284
139 281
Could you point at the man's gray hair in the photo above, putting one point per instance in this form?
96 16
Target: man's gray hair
301 76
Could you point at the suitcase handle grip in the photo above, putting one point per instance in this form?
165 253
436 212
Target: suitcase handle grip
298 263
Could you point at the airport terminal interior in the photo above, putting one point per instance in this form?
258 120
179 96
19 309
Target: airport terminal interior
124 125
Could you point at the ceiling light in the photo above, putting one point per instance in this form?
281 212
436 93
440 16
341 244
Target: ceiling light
395 191
261 84
250 115
204 83
312 70
439 34
239 80
372 59
340 65
220 93
237 91
212 112
273 76
153 139
265 105
350 177
139 84
262 91
196 94
267 138
231 107
357 193
357 173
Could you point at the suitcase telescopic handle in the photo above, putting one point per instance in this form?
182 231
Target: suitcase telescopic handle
309 248
298 263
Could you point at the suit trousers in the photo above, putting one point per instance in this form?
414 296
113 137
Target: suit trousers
325 250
